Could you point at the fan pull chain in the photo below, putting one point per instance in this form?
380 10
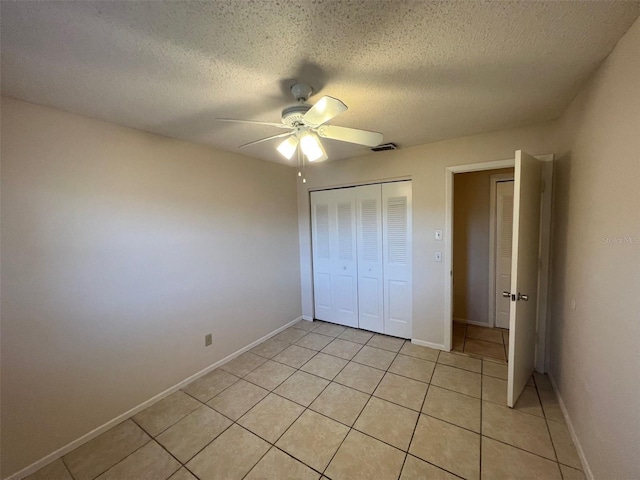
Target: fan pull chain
301 166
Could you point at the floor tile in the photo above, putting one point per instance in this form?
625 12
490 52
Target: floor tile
269 348
193 433
484 349
413 367
182 474
485 333
461 361
386 342
569 473
375 357
449 447
342 348
459 328
243 364
360 377
542 381
276 465
230 456
494 369
425 353
306 325
313 439
458 380
53 471
302 388
270 374
504 462
416 469
161 415
103 452
290 335
341 403
457 343
325 366
151 461
453 407
550 405
401 390
518 429
236 400
356 336
314 341
329 329
209 385
529 402
388 422
494 390
295 356
363 458
271 417
563 444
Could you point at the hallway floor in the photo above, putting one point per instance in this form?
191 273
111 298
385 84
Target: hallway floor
323 401
481 341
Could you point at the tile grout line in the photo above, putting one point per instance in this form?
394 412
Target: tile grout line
363 409
418 419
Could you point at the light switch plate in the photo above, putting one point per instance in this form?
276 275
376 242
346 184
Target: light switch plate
438 235
438 257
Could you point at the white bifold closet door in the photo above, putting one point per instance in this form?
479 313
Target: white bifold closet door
335 272
370 272
397 261
361 240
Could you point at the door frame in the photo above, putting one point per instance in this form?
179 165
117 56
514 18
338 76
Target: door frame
494 179
545 240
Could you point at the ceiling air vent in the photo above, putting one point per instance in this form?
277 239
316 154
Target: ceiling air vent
384 146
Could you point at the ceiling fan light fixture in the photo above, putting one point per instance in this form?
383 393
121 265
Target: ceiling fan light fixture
288 147
312 148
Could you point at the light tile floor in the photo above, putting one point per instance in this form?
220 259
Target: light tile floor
481 341
323 401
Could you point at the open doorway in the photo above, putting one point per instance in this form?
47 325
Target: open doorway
482 232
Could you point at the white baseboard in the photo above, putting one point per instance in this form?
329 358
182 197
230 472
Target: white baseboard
307 318
472 322
43 462
424 343
583 459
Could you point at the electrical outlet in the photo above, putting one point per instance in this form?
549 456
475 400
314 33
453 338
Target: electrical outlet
208 339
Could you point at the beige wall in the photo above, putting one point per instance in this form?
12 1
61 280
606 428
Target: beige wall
425 165
595 353
471 228
121 250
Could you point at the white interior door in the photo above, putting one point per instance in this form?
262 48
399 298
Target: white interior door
397 253
369 246
333 229
524 273
504 239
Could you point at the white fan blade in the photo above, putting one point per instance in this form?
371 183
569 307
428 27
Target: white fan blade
254 122
265 139
324 110
351 135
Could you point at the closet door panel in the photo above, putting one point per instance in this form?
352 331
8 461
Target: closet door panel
322 252
397 258
345 266
369 247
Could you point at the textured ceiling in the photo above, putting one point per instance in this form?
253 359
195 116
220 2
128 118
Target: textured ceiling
416 71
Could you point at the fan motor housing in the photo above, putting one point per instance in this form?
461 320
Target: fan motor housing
292 115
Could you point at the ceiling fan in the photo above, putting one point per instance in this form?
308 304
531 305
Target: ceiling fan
305 123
